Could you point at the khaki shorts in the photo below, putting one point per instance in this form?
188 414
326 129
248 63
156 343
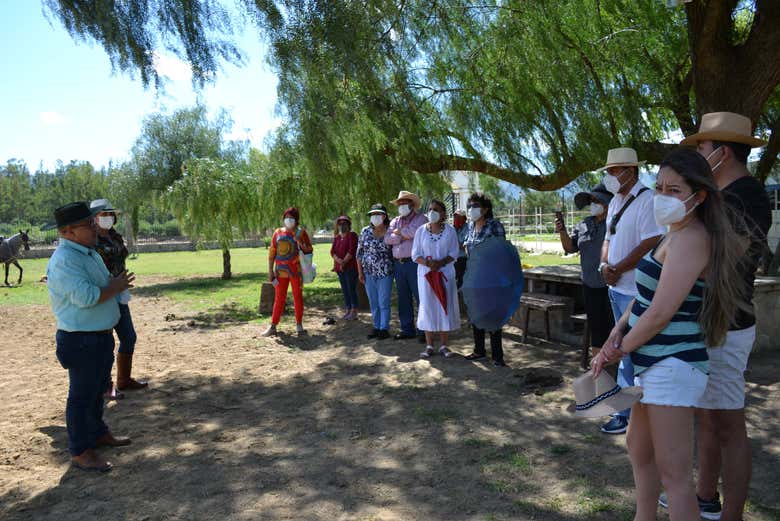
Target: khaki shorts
726 385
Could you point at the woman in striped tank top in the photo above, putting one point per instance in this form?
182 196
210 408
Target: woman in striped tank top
687 292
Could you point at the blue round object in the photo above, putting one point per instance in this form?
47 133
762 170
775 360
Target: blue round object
493 283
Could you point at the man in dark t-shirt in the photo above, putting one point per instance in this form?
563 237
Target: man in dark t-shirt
725 140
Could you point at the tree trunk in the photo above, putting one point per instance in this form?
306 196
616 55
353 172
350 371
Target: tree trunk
134 222
226 273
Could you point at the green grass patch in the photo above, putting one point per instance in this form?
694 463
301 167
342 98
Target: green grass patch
194 278
435 415
560 449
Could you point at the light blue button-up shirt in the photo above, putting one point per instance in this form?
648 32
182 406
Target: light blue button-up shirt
75 276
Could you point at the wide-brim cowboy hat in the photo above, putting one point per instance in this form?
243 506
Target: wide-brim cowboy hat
403 194
724 126
107 207
599 193
72 213
622 156
601 396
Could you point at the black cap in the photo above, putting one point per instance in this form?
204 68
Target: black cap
377 208
72 213
600 193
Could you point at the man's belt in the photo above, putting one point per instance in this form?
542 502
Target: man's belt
404 260
101 332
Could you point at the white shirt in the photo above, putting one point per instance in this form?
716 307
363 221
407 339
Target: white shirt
636 225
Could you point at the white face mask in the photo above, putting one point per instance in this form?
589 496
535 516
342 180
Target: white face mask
377 219
612 183
475 213
433 216
404 210
105 221
289 223
596 209
669 210
717 165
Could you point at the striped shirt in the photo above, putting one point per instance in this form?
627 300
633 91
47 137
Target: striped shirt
682 338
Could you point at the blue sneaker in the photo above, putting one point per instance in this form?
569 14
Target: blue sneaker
617 425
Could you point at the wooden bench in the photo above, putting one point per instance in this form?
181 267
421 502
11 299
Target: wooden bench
539 302
583 319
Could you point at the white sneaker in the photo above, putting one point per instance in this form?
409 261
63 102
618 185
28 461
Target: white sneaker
271 331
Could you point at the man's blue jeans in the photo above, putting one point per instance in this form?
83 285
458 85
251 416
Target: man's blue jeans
348 280
125 330
379 291
88 357
406 284
625 374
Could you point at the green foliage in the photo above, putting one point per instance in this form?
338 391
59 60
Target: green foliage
167 141
215 200
31 198
533 93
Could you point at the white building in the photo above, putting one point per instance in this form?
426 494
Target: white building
462 183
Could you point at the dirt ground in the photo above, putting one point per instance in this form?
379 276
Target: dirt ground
326 427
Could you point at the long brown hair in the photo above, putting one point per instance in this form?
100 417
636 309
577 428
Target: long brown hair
724 292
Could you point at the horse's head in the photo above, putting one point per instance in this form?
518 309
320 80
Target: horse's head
25 239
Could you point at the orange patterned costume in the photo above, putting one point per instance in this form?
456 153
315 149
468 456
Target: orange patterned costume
283 252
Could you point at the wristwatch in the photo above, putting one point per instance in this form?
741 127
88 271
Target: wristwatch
601 266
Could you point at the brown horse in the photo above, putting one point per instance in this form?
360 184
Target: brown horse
9 251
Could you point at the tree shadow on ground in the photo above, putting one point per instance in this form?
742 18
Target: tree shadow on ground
360 438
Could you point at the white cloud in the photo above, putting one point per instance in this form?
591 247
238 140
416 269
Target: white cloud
171 67
51 118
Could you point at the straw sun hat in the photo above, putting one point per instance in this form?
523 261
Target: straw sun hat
403 194
622 156
724 126
602 396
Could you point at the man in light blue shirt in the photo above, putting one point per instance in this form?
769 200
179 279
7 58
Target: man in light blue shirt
83 297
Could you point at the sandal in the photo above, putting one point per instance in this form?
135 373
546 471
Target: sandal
445 352
429 352
475 356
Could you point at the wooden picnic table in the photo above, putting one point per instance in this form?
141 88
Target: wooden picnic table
561 274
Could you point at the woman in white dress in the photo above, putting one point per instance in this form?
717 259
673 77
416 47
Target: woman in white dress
435 248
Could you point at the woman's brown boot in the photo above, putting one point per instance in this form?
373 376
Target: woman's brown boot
124 366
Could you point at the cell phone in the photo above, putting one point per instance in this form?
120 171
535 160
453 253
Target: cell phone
559 215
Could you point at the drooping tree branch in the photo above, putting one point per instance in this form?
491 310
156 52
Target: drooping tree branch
569 169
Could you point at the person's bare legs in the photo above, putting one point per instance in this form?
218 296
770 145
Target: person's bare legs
640 451
728 453
444 337
429 338
707 455
671 429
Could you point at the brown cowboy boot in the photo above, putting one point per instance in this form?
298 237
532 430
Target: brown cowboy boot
124 366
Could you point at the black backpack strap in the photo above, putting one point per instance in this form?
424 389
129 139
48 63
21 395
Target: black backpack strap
616 219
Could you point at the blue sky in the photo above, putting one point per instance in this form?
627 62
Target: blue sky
59 99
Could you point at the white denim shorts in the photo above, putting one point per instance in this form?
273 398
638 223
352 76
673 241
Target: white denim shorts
671 382
726 386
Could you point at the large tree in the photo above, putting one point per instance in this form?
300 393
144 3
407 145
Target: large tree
533 93
216 200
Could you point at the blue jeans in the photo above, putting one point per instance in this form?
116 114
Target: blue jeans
625 374
125 330
348 280
406 285
379 290
88 357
